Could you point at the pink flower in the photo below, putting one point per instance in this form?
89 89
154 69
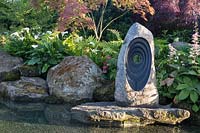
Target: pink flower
108 57
105 69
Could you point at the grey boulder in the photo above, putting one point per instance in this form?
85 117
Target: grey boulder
8 67
26 89
74 79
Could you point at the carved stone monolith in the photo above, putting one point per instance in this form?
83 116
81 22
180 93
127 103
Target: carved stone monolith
136 97
136 80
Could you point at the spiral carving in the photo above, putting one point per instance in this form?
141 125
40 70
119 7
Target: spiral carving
138 63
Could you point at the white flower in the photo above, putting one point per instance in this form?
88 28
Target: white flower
92 43
63 33
49 32
15 34
21 38
78 39
26 29
34 46
172 52
95 51
176 39
36 36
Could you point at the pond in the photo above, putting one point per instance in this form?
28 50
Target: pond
48 118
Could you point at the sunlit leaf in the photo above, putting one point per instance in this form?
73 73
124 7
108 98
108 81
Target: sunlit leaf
182 86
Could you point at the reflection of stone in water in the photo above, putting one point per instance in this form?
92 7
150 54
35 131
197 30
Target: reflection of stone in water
35 113
57 114
22 112
147 129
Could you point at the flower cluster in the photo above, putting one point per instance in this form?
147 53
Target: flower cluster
105 67
172 52
195 47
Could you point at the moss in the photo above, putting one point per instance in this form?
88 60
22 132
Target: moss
165 116
10 76
30 88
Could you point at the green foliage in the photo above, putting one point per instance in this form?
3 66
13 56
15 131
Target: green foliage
104 54
178 35
178 75
48 49
43 50
20 13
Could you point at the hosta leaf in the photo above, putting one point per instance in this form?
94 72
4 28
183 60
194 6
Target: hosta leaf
184 94
186 80
195 108
191 73
182 86
198 71
45 68
194 96
33 61
175 66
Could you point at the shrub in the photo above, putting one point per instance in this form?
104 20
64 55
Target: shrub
81 14
18 14
103 53
41 49
179 77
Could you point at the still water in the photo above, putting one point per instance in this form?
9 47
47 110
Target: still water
46 118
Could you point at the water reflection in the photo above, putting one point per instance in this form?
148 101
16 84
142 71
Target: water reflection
46 118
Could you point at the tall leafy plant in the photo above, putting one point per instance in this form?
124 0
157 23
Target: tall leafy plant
182 82
104 54
80 13
43 50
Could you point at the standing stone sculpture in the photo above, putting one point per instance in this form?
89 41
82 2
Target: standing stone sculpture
136 80
136 96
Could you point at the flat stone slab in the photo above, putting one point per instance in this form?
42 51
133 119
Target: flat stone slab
109 114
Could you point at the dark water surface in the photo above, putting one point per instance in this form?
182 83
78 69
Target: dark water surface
46 118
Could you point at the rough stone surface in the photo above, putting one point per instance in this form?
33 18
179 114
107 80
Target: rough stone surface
8 67
29 71
109 114
26 89
180 45
105 93
74 79
124 94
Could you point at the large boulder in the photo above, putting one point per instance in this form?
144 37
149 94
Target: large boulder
74 79
8 67
26 89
